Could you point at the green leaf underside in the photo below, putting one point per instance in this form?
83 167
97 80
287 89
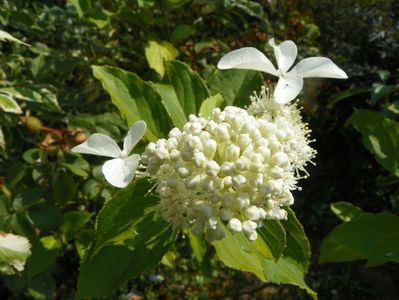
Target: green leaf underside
369 236
131 238
189 87
380 136
135 99
236 86
237 252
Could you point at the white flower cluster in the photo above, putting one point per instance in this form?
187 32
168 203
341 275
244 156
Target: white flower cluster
239 167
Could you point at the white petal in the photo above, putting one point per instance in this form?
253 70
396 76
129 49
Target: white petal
134 134
287 88
319 67
285 54
98 144
247 58
120 171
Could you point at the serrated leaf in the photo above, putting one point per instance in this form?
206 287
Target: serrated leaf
157 53
236 86
298 246
237 252
135 99
8 104
369 236
209 104
189 87
130 238
380 136
345 211
14 251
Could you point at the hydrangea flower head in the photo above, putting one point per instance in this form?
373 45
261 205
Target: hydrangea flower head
290 83
120 170
236 168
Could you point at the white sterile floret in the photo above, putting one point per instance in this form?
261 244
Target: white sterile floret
290 81
120 170
233 170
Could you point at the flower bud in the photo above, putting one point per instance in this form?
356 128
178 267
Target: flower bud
234 225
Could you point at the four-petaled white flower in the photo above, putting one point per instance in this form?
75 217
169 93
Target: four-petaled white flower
290 82
120 170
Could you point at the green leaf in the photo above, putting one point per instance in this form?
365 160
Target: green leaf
236 252
210 103
135 99
157 53
369 236
273 234
8 104
45 216
14 251
63 188
348 94
2 141
73 222
298 246
236 86
130 238
189 87
379 90
76 164
6 37
35 94
181 32
27 198
198 246
42 287
93 11
380 136
345 211
44 253
171 104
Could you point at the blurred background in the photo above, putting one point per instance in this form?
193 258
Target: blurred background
56 103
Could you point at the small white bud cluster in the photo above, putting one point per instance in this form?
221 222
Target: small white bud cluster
234 167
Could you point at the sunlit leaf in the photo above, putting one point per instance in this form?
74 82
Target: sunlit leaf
157 53
6 37
236 86
135 99
209 104
8 104
189 87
